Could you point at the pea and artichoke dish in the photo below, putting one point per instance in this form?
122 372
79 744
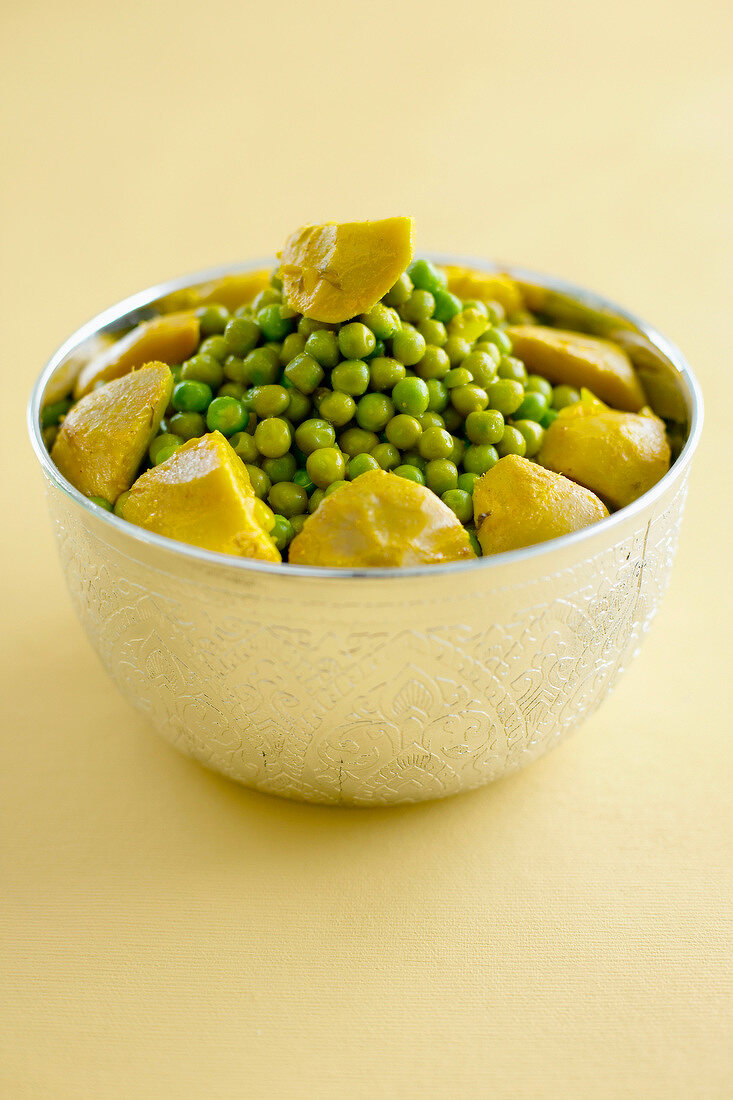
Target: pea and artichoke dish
357 407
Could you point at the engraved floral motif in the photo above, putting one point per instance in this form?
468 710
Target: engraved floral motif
427 691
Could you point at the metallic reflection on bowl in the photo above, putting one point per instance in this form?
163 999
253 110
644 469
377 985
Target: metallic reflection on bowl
381 686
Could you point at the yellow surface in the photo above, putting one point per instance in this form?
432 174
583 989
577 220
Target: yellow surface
166 934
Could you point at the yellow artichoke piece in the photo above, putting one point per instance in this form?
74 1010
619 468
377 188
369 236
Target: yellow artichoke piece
381 519
333 272
518 503
575 359
202 495
231 291
618 455
169 339
105 436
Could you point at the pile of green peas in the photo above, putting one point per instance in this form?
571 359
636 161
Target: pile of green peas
423 384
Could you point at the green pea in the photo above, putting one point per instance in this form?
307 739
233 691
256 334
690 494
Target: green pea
303 481
244 310
120 503
191 397
410 473
355 441
434 363
459 448
433 332
334 487
456 348
427 276
382 320
499 337
268 296
234 369
431 420
468 399
400 292
509 367
386 455
280 469
377 351
479 458
163 442
418 307
355 340
187 425
273 437
453 419
276 282
259 480
436 443
213 319
351 376
315 499
533 434
51 414
287 498
535 383
241 334
476 305
307 326
562 396
282 533
336 407
325 465
273 325
245 446
533 407
505 396
226 415
441 475
414 458
232 389
305 372
467 481
458 376
481 366
299 406
446 306
49 436
437 395
403 431
261 367
374 411
323 347
102 503
385 373
293 344
298 523
216 347
203 368
314 434
408 346
411 396
549 418
511 443
485 426
491 350
361 464
270 401
459 502
165 453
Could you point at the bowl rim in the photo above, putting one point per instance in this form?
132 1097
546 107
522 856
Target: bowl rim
112 316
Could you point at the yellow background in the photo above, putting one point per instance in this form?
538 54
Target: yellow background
562 934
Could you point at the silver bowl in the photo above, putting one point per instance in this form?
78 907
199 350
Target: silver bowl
370 687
